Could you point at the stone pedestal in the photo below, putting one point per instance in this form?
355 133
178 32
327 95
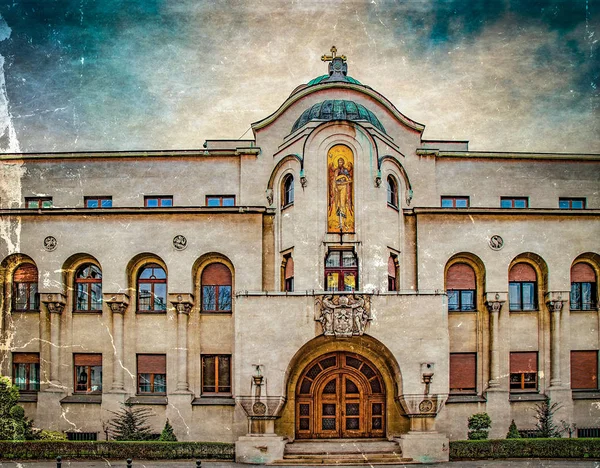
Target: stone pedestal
425 447
259 449
498 408
179 414
49 409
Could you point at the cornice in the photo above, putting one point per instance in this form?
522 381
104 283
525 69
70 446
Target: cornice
233 152
500 211
506 155
177 210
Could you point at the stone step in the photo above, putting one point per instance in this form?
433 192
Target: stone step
343 459
340 446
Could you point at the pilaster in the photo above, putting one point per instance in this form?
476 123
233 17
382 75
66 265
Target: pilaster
118 304
55 305
183 304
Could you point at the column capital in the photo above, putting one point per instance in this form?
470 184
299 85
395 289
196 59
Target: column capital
118 302
555 300
494 306
183 302
55 302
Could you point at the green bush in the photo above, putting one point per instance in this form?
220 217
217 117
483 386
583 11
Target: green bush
479 425
28 450
13 423
544 414
525 448
47 435
130 423
513 432
167 434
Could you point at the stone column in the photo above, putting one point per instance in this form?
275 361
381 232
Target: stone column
55 304
494 308
183 304
118 304
555 307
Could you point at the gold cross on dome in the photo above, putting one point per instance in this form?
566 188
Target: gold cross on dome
329 58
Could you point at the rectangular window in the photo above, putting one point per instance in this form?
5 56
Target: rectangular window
514 202
288 273
463 373
38 202
158 201
216 374
522 295
26 371
88 373
98 202
455 202
523 371
584 370
461 299
220 200
571 203
583 296
152 373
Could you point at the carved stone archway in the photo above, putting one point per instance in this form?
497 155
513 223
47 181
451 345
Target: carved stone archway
367 348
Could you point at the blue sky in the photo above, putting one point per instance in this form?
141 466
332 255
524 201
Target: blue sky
155 74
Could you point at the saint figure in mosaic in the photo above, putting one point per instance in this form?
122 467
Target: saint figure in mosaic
340 163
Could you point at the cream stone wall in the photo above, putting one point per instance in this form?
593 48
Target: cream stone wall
277 331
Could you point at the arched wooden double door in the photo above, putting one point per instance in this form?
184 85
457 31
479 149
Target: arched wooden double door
340 395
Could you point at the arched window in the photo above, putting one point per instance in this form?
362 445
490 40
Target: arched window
88 288
393 273
583 287
216 288
461 287
152 289
522 287
287 191
341 271
25 288
392 192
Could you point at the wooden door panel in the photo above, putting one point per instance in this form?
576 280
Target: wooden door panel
340 396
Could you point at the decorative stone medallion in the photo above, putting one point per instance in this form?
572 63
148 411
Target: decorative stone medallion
259 408
496 242
179 242
50 243
426 406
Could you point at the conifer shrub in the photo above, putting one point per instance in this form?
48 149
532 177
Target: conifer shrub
513 432
479 426
130 423
167 434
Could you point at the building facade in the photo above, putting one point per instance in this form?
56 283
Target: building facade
337 276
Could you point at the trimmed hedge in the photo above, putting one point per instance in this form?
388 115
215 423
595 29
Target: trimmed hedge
525 448
110 449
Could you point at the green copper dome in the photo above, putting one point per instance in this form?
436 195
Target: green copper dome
318 79
337 110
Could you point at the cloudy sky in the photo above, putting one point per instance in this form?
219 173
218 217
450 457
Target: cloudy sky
161 74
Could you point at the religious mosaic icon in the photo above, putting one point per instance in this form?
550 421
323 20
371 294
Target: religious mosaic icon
340 163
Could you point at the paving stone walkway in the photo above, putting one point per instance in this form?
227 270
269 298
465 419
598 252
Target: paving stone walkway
514 463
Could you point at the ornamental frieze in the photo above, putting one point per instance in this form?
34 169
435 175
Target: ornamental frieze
343 315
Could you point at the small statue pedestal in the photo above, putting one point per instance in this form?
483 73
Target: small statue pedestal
261 445
422 443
